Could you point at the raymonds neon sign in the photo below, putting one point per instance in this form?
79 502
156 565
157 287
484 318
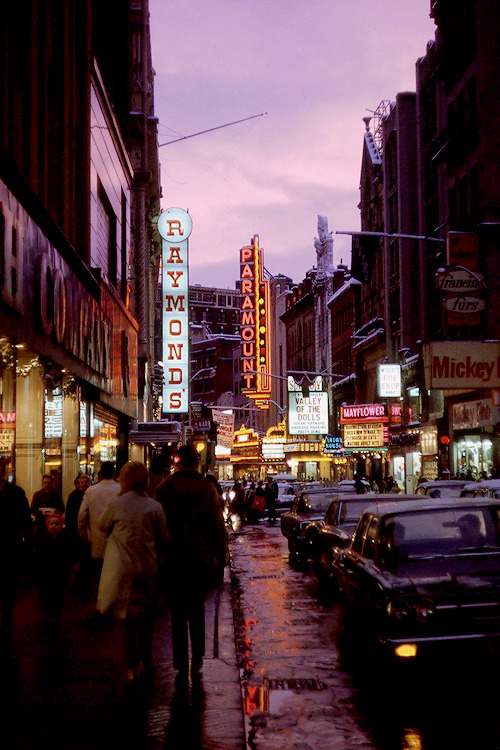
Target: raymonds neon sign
254 325
175 225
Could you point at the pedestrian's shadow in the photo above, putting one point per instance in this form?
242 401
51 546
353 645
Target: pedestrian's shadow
186 711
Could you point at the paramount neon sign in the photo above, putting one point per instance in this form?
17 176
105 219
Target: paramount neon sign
254 325
175 226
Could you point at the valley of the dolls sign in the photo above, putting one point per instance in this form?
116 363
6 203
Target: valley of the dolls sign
254 326
175 225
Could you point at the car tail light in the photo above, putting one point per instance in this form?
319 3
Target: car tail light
398 608
425 609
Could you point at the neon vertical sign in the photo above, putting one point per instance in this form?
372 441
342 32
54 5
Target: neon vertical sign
254 325
175 225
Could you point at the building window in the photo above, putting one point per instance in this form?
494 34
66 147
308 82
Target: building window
107 235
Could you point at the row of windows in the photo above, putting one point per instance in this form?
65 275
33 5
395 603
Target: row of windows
221 300
343 318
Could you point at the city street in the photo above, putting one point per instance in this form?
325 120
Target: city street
310 684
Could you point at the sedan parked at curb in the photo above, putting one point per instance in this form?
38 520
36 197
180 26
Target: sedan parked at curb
424 572
442 487
484 488
330 535
308 506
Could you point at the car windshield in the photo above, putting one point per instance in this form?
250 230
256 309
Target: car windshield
314 503
441 532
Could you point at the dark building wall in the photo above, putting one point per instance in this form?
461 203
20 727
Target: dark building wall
458 90
45 99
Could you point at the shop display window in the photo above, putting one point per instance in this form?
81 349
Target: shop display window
53 428
474 455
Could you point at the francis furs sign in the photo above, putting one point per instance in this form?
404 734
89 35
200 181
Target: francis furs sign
389 381
307 415
174 226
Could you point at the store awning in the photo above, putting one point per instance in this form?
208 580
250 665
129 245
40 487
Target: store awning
157 433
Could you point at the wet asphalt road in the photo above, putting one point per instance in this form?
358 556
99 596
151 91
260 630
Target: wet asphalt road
312 682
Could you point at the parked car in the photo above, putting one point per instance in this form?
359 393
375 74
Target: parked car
484 488
425 571
442 487
330 535
350 484
286 496
308 506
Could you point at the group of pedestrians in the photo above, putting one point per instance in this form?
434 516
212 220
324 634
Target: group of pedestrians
250 502
134 549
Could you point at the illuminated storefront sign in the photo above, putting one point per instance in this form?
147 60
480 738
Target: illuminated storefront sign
363 413
364 435
307 414
462 364
364 426
7 431
254 325
389 381
175 225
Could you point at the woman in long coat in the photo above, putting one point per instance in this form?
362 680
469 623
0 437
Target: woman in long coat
137 530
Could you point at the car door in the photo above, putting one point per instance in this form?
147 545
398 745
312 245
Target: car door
360 564
347 565
326 536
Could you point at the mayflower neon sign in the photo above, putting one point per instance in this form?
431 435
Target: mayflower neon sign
254 325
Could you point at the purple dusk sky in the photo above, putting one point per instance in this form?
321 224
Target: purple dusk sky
316 67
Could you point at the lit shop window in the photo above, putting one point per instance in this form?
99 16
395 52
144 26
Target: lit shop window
53 428
105 442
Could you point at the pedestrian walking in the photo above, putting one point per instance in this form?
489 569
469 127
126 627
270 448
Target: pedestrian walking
195 554
54 560
94 503
157 472
44 501
137 531
258 503
238 500
271 491
16 546
82 557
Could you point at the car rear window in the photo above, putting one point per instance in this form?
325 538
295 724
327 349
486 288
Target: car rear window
351 512
446 530
314 502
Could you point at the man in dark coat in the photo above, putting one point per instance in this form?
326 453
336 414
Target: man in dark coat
16 544
194 556
271 492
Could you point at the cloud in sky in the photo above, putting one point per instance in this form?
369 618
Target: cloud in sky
315 67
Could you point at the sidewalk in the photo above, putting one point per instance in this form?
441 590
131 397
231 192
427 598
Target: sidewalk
68 692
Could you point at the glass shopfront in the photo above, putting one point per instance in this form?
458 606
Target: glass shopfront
474 456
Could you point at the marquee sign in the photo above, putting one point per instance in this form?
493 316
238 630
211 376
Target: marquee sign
175 225
254 325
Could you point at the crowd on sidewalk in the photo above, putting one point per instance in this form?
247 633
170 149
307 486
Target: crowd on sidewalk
250 500
132 541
